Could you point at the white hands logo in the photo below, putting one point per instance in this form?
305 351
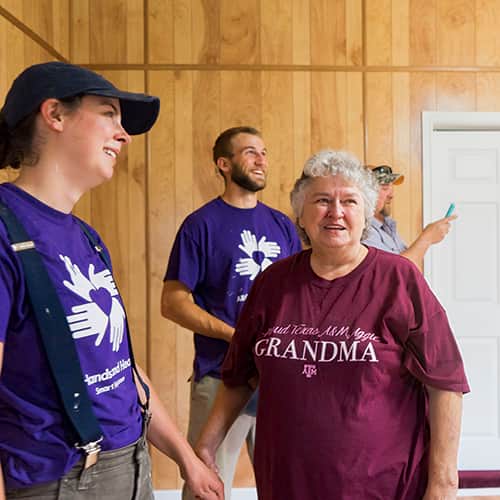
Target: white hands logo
89 319
259 254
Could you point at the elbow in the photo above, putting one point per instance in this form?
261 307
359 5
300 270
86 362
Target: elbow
167 309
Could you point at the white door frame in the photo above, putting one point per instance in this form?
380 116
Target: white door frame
449 121
446 120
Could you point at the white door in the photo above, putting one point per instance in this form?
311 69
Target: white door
463 166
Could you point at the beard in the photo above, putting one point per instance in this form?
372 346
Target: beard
242 179
385 210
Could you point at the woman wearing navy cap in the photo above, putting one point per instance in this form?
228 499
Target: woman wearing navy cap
64 127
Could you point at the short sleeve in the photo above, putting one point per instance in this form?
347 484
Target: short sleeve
431 351
9 282
374 240
239 365
185 263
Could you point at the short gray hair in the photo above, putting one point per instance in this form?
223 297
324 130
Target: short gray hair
332 163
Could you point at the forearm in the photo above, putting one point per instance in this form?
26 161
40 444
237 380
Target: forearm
2 485
162 431
445 415
416 251
177 305
433 233
164 435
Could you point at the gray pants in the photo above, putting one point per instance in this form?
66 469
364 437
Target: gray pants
202 399
123 474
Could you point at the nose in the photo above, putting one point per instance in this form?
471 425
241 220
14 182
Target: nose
336 209
261 158
122 135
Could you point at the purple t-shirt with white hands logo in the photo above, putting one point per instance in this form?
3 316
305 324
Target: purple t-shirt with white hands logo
36 442
218 252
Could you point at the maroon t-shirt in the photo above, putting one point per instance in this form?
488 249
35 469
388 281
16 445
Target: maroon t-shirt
342 367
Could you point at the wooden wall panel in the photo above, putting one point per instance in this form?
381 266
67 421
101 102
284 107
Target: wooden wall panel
401 32
456 91
47 18
206 31
301 130
336 32
184 179
109 32
240 99
331 98
160 35
301 34
488 92
276 31
422 97
456 33
422 32
161 232
378 32
346 74
206 116
487 18
277 117
401 151
379 126
240 33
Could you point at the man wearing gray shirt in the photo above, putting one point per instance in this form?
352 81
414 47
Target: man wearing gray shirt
383 233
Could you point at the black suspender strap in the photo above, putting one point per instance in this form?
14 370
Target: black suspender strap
56 338
107 263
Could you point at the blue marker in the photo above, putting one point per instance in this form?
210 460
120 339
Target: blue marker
450 210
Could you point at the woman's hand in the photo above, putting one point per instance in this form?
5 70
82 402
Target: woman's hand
203 482
435 492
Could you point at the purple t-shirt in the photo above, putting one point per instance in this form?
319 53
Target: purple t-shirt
36 442
218 252
342 370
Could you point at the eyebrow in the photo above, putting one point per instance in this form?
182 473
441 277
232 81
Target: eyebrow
264 150
109 102
329 195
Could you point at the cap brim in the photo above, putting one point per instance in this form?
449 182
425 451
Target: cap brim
399 179
139 111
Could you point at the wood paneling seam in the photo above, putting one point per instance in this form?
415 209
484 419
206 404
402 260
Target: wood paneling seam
31 34
147 157
289 67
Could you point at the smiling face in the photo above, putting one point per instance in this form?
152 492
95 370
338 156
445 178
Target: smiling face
92 138
248 162
333 214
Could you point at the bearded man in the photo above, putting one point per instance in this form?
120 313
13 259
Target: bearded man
382 232
217 254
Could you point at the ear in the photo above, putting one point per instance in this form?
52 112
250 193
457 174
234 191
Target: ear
223 164
52 114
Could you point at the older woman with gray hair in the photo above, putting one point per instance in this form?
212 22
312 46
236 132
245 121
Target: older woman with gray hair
360 377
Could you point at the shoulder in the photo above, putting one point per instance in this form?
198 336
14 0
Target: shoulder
277 216
394 263
395 272
201 216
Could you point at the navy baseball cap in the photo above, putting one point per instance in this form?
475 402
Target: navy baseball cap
60 80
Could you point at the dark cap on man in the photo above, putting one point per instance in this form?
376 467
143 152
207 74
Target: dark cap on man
59 80
385 175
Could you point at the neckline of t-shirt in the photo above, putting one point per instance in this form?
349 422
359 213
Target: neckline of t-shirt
44 209
237 209
324 283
